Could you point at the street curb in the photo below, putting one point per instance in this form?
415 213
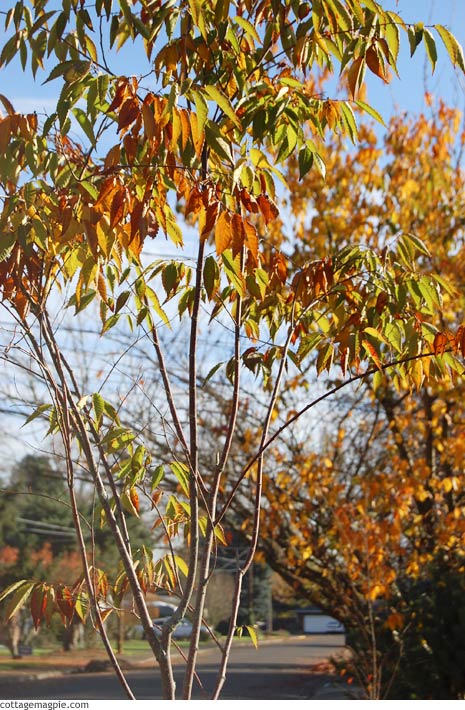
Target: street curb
336 691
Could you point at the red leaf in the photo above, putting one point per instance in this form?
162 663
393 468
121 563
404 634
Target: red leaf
65 602
117 208
136 217
38 604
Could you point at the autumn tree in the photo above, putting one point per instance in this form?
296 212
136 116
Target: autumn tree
189 143
367 518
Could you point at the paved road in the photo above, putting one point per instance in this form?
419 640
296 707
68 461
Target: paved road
274 671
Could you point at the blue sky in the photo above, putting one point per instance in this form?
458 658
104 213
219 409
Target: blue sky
407 93
404 94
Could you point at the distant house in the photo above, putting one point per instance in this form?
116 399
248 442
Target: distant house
314 621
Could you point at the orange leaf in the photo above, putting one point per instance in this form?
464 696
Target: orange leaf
372 353
374 64
238 233
440 343
207 219
395 621
136 217
251 240
130 110
197 136
134 496
186 128
280 267
460 340
194 202
108 188
149 120
268 208
5 133
122 90
248 200
355 75
223 234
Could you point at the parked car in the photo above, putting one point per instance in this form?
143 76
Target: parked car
182 631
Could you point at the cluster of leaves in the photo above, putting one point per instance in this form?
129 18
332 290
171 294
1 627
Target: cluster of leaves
240 78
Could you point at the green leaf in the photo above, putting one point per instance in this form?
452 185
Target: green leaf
233 271
157 476
11 588
349 120
320 164
375 334
110 322
81 606
417 242
99 406
415 35
453 48
214 369
20 596
201 108
215 94
429 293
153 298
431 50
370 111
305 161
85 124
181 473
72 70
392 36
219 534
38 412
393 336
211 276
247 27
181 565
128 505
8 242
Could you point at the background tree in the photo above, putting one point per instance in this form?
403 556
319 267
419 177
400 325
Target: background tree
374 511
223 95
